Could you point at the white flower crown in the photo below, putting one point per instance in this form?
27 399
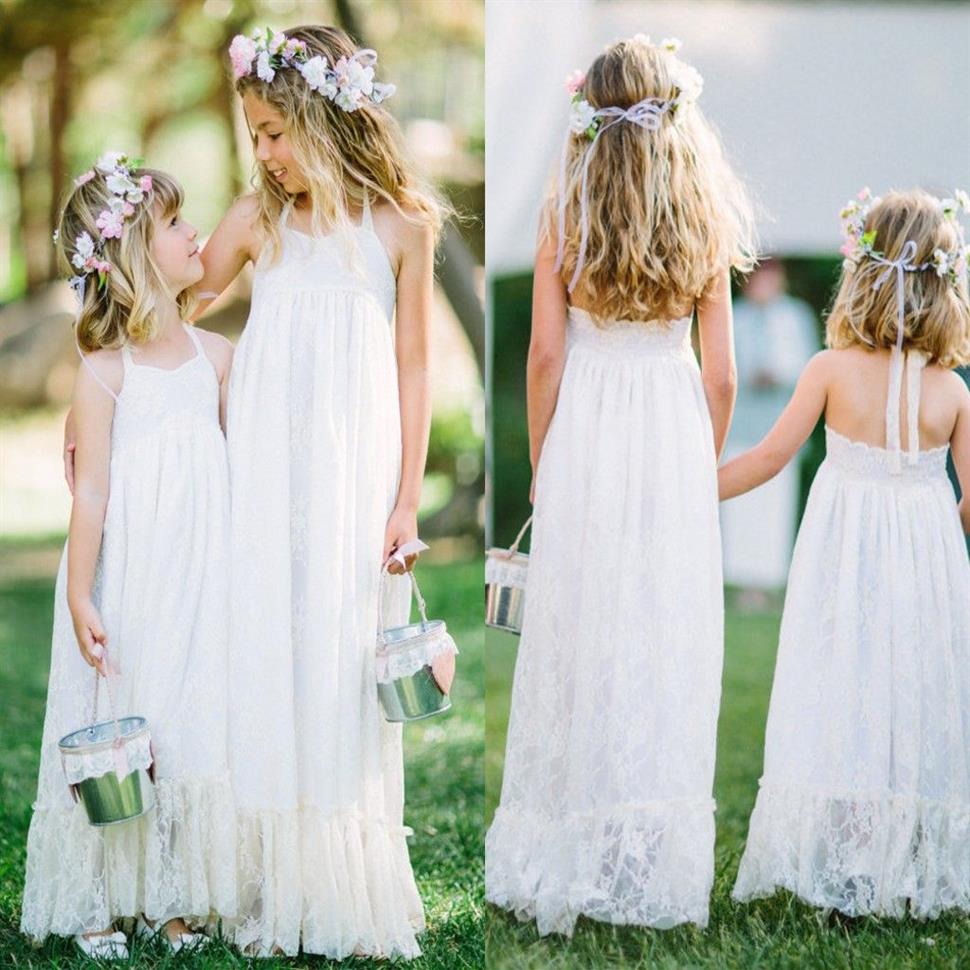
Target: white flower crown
126 193
585 119
860 244
349 83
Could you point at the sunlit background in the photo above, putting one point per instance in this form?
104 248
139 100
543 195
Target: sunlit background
151 78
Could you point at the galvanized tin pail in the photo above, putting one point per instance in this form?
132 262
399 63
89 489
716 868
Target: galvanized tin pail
406 684
114 796
109 765
506 571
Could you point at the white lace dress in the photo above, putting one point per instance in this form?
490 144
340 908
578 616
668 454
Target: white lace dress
864 803
606 807
162 591
315 458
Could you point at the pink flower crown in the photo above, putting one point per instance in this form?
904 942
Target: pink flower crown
860 244
348 83
126 193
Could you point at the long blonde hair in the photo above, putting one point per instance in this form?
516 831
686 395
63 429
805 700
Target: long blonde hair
666 213
342 154
125 308
936 317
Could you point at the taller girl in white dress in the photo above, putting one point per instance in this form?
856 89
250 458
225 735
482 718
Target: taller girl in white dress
328 429
864 804
606 807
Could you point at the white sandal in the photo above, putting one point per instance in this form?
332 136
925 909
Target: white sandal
184 941
104 946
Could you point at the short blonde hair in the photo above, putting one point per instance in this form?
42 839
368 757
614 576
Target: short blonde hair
343 154
936 318
125 308
666 212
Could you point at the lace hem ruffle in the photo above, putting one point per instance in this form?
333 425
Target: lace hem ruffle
863 853
178 860
338 884
636 865
396 663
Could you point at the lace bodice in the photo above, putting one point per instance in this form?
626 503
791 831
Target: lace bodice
859 460
891 464
155 400
624 337
322 263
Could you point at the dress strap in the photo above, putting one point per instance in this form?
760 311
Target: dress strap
366 220
914 363
94 373
194 337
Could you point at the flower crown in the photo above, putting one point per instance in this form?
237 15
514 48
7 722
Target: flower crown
349 83
584 118
860 244
126 193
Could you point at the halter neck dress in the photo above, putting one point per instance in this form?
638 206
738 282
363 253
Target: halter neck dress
162 590
315 458
864 803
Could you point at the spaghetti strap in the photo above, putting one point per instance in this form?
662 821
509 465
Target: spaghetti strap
94 373
913 361
896 361
194 337
366 221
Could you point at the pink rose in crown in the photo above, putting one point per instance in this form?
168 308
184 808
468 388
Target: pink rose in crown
145 183
242 51
85 178
575 81
847 249
110 224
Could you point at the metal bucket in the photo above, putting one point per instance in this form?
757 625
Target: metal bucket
506 571
413 694
417 695
108 799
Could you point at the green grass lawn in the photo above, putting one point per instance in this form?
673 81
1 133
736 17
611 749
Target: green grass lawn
775 933
445 782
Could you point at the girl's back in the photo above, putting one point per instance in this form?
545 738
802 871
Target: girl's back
858 396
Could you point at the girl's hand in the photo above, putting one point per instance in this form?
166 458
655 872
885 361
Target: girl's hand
402 527
70 444
91 637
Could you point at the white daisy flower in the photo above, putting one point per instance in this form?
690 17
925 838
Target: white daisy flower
581 116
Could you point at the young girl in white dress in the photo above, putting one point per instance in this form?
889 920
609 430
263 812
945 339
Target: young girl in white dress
864 804
329 414
141 592
606 807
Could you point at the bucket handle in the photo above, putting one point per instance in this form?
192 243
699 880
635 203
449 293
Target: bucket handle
121 764
514 548
415 545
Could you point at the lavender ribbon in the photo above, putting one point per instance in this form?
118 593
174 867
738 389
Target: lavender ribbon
648 114
900 266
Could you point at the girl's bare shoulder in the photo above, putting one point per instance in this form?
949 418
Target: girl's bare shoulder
101 367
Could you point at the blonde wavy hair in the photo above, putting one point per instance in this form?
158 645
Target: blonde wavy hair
341 154
666 213
936 318
125 308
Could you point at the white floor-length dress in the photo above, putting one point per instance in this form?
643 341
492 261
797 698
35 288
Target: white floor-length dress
864 803
162 591
606 807
315 459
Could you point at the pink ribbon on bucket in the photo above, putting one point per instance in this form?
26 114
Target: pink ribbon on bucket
106 668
